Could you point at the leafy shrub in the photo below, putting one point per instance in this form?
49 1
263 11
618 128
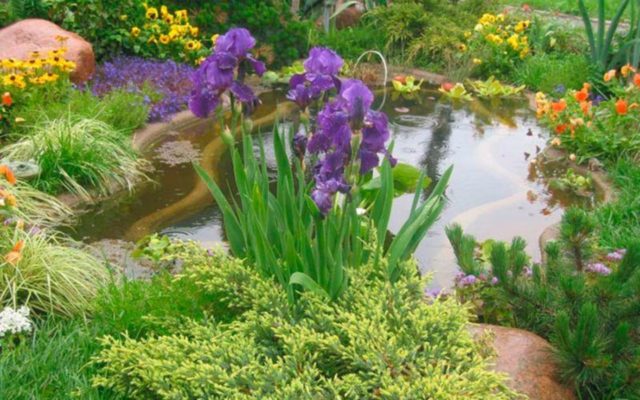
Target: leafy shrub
370 343
569 71
350 42
584 302
283 37
76 155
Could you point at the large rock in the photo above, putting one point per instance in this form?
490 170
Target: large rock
23 37
527 359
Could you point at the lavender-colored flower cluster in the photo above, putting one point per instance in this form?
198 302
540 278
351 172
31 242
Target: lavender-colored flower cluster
617 255
344 122
463 280
166 85
224 71
598 268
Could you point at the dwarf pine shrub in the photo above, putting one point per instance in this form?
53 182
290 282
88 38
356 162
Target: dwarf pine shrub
377 340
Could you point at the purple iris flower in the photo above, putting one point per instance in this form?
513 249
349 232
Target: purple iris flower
223 71
300 141
323 61
321 75
323 193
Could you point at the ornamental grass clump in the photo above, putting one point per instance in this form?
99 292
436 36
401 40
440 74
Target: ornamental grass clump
379 340
313 227
39 269
78 156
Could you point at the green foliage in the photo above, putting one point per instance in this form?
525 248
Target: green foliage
78 154
283 36
286 237
123 110
601 42
97 21
49 275
38 208
586 304
493 88
23 9
427 33
370 343
350 42
570 71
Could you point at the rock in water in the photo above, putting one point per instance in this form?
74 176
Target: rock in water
527 359
20 39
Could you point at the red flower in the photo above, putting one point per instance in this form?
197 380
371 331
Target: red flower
621 107
561 128
559 106
447 86
636 79
401 78
582 95
6 99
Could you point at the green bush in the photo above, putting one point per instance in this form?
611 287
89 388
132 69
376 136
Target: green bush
77 155
350 42
545 73
585 303
379 340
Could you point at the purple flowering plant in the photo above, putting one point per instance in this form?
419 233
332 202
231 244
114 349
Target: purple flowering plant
165 85
302 233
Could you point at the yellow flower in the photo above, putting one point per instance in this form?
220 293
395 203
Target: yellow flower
152 40
200 60
524 53
164 11
34 54
626 70
462 47
55 61
467 34
15 80
192 45
514 41
522 26
477 61
174 34
609 75
500 18
168 19
194 31
124 17
68 66
214 38
152 13
135 31
478 28
487 19
165 39
33 63
494 38
10 63
181 15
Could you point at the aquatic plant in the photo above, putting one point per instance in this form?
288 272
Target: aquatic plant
494 88
581 299
455 92
406 84
78 156
164 85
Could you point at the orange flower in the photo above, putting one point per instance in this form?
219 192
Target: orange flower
559 106
401 78
561 128
636 80
634 106
8 174
586 107
621 107
610 75
6 99
582 95
626 70
15 255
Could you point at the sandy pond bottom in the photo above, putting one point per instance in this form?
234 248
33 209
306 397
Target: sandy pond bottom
494 193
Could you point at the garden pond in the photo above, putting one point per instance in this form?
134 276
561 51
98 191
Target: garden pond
495 192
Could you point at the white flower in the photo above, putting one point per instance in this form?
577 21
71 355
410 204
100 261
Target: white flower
361 211
15 321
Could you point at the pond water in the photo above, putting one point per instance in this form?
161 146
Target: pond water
495 191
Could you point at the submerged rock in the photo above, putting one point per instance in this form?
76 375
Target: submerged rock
527 359
20 39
